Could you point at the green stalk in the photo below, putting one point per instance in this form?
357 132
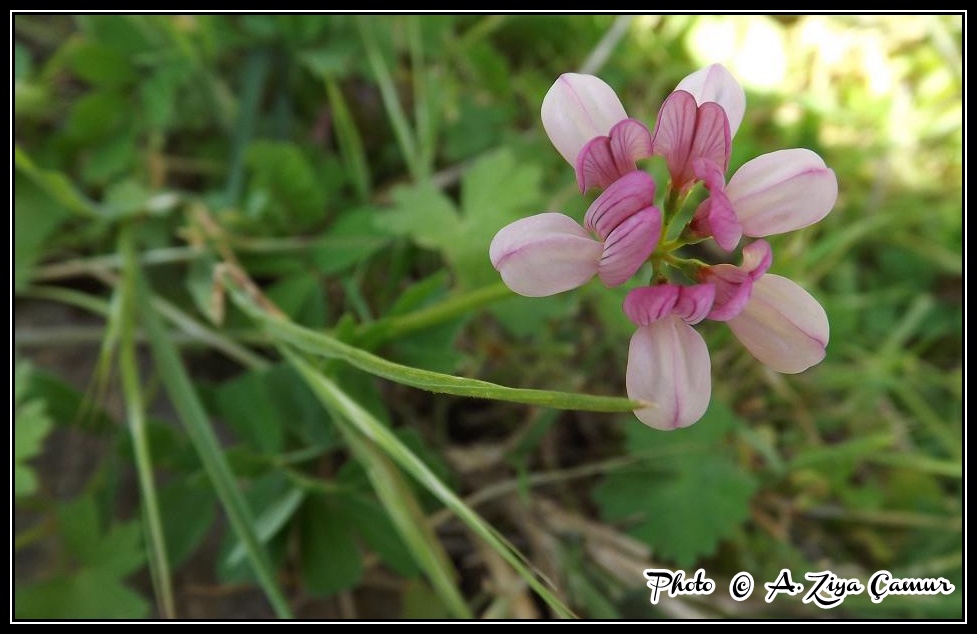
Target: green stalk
350 143
159 565
322 344
392 328
385 439
388 92
204 440
405 512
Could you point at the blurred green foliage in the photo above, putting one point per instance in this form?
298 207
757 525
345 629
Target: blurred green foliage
356 168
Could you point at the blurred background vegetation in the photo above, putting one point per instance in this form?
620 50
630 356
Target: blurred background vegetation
182 449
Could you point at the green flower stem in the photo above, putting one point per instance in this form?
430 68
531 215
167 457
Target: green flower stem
392 328
321 344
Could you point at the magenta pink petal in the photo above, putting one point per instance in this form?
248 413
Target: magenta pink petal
674 131
624 198
694 302
715 83
595 166
629 245
647 304
630 142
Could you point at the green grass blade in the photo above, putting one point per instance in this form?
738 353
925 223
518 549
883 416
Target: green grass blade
350 142
373 429
191 411
406 514
136 415
388 92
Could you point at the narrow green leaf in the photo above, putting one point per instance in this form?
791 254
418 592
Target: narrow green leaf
56 184
407 516
373 429
191 411
136 417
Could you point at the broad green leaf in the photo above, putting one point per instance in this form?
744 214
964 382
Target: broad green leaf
249 408
118 552
292 190
431 348
423 213
688 495
36 217
495 191
188 510
31 427
330 559
87 594
56 185
97 115
301 297
350 240
101 64
371 523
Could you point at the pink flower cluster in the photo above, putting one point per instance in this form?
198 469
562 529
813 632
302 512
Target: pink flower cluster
668 364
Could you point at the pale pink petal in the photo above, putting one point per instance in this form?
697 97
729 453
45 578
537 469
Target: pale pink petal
715 83
782 325
544 254
625 197
629 245
576 109
668 365
782 191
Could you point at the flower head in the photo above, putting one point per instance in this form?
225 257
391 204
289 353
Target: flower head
777 321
